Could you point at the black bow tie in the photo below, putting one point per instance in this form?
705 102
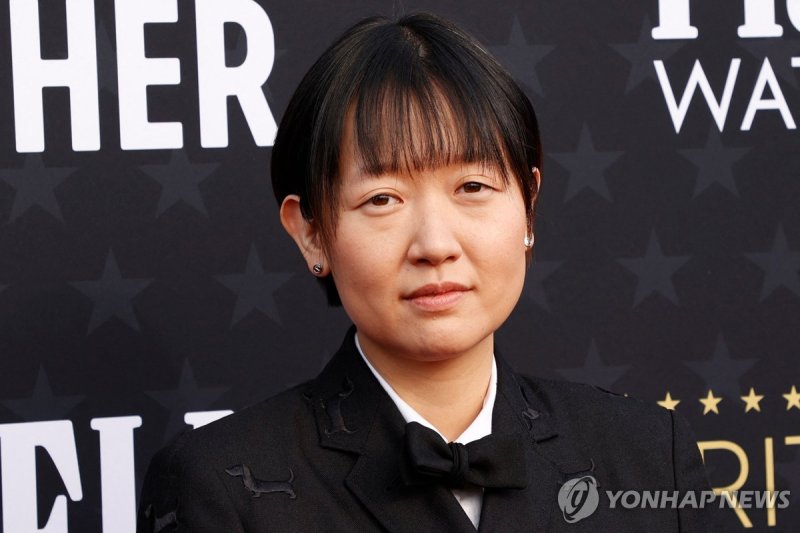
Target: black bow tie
495 461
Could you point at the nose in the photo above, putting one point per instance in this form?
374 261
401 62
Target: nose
435 237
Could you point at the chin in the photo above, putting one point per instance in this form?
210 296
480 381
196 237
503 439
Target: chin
440 343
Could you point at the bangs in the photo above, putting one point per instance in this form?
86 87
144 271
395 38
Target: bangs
410 122
419 100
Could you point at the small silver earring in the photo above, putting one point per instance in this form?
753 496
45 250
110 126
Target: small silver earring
528 240
317 268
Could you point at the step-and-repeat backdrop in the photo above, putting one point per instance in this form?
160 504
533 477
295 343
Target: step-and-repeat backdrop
146 285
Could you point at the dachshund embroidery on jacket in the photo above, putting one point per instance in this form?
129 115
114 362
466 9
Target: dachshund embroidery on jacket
530 415
333 406
258 486
160 523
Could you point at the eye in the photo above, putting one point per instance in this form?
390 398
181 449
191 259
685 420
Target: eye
473 187
380 200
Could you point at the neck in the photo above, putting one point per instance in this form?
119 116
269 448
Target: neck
448 393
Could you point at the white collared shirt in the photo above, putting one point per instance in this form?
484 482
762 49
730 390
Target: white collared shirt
471 498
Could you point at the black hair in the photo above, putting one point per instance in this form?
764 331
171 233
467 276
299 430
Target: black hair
417 73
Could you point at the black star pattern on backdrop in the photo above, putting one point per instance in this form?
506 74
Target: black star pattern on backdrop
714 163
781 266
35 185
654 272
187 397
594 371
587 166
779 52
642 53
540 271
255 288
112 295
42 404
316 364
521 58
722 373
180 180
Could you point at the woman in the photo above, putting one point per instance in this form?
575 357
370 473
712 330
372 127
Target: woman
407 171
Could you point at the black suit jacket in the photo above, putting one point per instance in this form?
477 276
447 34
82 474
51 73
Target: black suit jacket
324 456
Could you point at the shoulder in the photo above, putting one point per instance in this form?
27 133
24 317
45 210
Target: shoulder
263 434
580 399
600 416
190 479
268 424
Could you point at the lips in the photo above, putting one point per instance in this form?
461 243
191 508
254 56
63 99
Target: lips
438 297
433 289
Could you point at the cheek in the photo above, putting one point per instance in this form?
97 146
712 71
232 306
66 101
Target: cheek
505 232
505 259
503 252
358 262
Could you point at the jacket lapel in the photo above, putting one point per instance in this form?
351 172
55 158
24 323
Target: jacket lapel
552 459
375 481
355 415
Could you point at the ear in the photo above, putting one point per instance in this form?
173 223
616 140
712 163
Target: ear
305 234
537 177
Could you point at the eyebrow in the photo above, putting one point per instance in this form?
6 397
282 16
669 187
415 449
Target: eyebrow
362 173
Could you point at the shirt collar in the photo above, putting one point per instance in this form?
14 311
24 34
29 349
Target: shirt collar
479 428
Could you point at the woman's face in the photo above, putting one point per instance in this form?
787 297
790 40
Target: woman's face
427 266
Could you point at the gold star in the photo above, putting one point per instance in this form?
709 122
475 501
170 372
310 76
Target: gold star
668 402
752 401
792 398
710 403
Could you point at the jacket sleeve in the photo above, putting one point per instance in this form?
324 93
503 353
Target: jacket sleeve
690 475
182 493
